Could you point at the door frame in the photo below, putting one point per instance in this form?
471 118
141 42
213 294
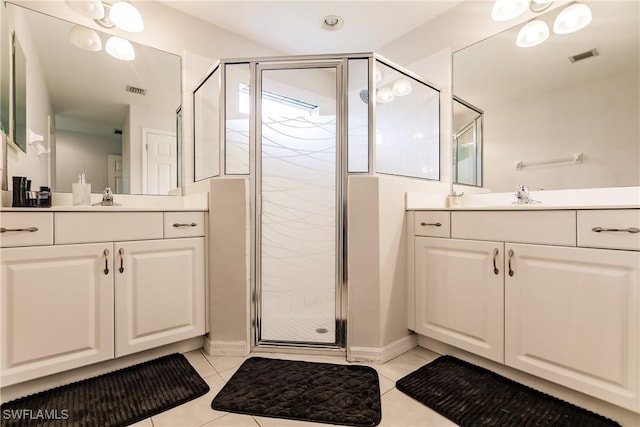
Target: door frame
256 68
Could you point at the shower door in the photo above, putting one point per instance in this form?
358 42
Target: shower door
299 205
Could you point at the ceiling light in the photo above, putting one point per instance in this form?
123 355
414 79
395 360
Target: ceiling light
126 17
539 5
533 33
332 22
93 9
85 38
120 48
377 74
402 87
572 18
384 95
504 10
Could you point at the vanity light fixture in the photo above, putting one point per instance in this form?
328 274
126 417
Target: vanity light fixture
533 33
572 18
402 87
85 38
125 16
384 95
538 6
93 9
120 48
504 10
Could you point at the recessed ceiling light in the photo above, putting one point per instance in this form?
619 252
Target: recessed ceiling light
332 22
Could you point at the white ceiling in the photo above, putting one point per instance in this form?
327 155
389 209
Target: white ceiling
294 27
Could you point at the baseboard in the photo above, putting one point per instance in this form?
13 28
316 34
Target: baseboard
382 354
225 348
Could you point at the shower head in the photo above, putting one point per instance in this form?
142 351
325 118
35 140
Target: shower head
364 96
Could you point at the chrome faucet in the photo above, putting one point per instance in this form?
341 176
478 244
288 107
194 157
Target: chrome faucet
107 198
523 197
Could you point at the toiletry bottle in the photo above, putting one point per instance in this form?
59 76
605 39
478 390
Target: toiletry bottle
19 191
81 192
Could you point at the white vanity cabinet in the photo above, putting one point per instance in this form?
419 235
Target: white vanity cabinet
509 288
56 309
459 296
84 298
159 293
572 316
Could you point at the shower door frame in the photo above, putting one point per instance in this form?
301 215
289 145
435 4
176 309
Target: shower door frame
256 68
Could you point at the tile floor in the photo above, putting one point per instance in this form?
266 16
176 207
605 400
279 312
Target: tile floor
397 409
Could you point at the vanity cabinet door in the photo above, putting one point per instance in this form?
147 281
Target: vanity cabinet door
459 295
572 317
159 292
57 309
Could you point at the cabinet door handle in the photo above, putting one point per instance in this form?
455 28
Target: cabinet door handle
29 229
628 230
495 255
511 272
178 225
106 261
433 224
121 253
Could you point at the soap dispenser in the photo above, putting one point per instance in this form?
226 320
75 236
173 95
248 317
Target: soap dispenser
81 192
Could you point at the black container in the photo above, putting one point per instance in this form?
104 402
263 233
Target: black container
44 197
19 191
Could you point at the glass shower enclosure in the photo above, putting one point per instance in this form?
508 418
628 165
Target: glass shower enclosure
297 128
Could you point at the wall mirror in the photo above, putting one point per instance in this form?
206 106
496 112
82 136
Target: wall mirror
560 114
114 120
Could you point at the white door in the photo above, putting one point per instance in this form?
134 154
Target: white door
114 173
159 293
572 316
459 294
57 309
160 161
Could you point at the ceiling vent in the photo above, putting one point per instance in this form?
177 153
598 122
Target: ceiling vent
584 55
136 90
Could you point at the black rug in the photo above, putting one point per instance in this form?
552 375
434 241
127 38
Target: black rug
473 396
117 398
303 391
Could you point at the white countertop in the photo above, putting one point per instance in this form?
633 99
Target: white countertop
103 209
587 198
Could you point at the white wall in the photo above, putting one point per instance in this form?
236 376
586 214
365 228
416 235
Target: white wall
84 153
611 152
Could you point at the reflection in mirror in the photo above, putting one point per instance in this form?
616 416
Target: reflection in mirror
206 123
539 106
19 95
407 125
237 107
5 49
99 105
467 144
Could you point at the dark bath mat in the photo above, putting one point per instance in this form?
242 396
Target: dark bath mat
117 398
473 396
304 391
